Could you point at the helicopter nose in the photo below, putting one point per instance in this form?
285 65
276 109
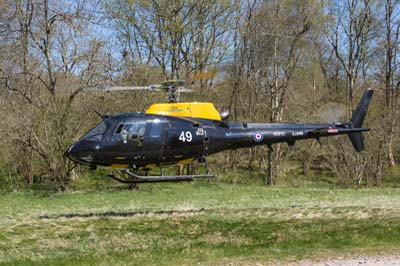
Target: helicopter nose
72 152
82 151
67 153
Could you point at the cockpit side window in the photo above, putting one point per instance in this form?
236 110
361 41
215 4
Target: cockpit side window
129 131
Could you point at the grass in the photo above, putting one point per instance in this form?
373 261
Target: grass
196 224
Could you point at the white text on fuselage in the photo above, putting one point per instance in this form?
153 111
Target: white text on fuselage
279 133
297 133
283 133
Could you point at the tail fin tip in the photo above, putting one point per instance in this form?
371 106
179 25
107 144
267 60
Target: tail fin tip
357 119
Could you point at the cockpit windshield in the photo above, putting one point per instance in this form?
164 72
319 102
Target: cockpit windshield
97 132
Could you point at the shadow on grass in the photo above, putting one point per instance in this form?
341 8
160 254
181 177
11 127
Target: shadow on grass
164 212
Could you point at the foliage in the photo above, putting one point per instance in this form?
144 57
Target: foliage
263 61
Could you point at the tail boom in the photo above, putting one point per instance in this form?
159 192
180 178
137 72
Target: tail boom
252 134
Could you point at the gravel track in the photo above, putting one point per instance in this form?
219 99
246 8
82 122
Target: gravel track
359 261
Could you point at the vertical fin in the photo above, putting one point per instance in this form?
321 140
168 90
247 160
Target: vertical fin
357 120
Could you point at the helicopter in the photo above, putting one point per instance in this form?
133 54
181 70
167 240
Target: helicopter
178 133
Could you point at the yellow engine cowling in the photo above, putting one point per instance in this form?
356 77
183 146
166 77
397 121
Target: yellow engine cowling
193 109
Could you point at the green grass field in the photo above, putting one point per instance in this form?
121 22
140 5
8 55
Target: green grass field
196 224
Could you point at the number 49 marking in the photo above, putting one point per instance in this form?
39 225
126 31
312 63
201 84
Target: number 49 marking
185 136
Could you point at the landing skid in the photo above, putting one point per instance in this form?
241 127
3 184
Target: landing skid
139 179
158 179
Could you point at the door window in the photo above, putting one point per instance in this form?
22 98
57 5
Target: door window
132 131
156 129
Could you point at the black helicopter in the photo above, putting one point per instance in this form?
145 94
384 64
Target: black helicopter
176 133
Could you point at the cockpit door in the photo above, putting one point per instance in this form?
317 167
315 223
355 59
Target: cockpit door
125 143
154 140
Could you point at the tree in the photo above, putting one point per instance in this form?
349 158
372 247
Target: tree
279 31
348 30
391 70
54 44
183 38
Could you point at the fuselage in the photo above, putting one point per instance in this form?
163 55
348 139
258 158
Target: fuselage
135 140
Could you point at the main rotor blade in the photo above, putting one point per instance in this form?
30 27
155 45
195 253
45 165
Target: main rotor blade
133 88
166 86
182 89
125 88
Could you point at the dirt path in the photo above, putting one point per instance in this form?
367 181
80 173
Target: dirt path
359 261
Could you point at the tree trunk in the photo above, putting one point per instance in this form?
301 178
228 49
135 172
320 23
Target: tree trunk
392 162
72 176
269 179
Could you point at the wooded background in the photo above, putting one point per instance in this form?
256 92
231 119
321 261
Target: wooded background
264 61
